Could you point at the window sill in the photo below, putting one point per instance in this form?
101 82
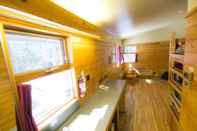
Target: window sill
55 121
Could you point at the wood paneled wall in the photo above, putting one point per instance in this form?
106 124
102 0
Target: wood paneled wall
92 57
7 107
188 121
152 56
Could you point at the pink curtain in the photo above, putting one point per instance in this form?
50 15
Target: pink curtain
119 55
25 121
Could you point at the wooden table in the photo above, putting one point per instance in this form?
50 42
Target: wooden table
97 113
131 74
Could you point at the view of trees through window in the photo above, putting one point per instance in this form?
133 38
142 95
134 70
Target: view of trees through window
129 54
51 92
33 52
30 53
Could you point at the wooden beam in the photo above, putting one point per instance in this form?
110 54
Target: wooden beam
48 10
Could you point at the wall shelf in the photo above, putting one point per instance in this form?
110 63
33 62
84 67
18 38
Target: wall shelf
174 86
176 76
174 116
176 104
177 72
176 83
174 111
177 57
177 101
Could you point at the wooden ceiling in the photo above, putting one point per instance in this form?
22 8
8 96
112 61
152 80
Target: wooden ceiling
50 11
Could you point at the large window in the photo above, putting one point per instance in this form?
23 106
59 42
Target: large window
31 52
50 93
129 54
52 81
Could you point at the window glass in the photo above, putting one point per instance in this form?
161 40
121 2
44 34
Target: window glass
113 58
29 52
33 52
129 58
51 92
129 54
114 50
129 49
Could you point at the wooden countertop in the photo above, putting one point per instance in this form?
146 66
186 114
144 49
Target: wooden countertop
96 114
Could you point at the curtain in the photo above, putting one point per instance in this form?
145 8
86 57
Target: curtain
24 117
119 55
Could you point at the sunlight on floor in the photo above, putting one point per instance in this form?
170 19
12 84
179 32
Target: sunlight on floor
149 81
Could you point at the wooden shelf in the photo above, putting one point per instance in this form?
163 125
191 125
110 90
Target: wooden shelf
178 89
176 67
174 115
177 84
175 103
176 100
177 57
177 72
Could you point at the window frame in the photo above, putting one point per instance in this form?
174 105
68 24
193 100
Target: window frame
130 53
31 75
49 114
27 23
113 54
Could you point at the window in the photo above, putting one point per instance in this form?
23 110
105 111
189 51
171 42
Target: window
50 93
117 55
52 87
30 52
113 55
129 54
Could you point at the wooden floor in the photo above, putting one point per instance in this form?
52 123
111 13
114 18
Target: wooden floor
147 110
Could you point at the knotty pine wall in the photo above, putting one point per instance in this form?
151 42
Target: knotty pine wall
188 119
152 56
7 109
92 57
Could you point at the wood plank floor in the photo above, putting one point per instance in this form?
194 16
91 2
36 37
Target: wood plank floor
146 106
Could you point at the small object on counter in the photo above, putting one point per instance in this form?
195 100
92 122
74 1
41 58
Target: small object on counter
103 87
179 48
82 85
